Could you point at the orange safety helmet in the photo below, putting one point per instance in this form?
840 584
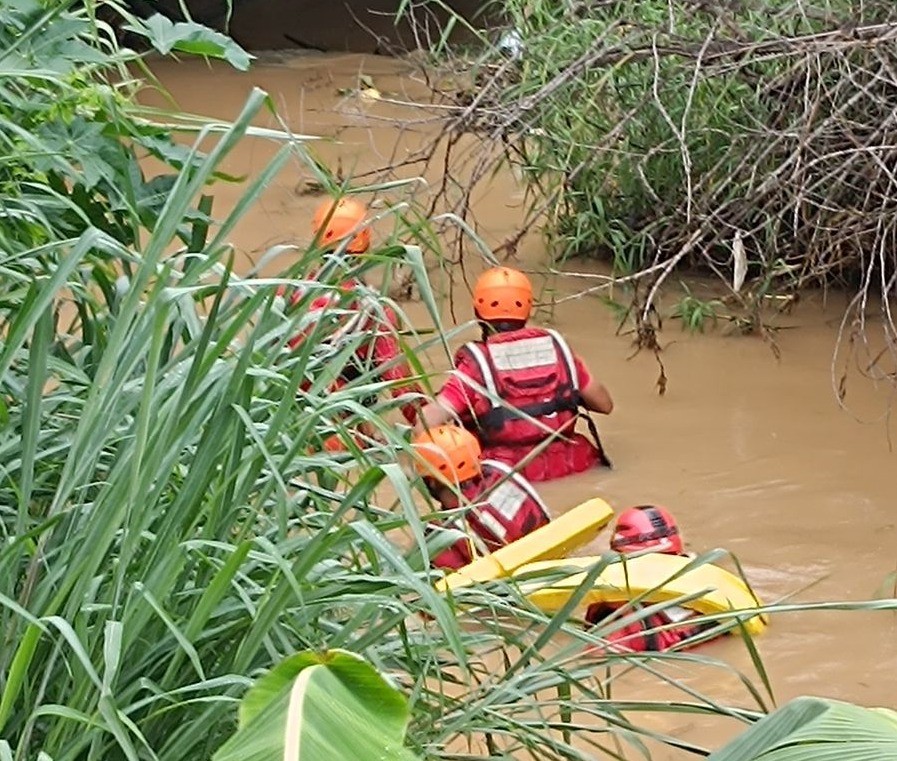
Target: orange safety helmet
334 222
647 527
449 453
502 293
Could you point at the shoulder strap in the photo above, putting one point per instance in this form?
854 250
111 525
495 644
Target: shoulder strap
567 356
509 474
482 362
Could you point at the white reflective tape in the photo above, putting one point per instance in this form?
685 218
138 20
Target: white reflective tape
492 524
519 481
567 354
507 499
488 380
523 354
677 614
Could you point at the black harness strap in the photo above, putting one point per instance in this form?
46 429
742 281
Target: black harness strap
652 638
568 399
593 432
496 417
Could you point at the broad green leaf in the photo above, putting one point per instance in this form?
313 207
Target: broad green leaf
273 684
333 705
817 729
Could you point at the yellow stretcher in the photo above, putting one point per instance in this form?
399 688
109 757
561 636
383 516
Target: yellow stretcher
555 540
647 577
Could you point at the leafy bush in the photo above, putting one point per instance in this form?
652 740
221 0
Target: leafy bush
662 135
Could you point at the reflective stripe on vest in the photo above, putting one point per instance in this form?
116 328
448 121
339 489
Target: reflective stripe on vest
518 355
522 354
567 355
676 614
492 523
511 493
485 372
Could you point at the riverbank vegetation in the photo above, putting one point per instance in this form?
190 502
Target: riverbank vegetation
172 524
751 140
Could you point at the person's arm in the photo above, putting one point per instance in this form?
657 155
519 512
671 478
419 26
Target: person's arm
596 397
594 393
458 399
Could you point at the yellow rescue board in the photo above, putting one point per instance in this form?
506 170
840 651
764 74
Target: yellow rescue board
577 526
647 575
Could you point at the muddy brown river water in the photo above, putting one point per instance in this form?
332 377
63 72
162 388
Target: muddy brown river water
751 453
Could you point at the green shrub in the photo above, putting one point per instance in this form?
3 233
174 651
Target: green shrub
653 134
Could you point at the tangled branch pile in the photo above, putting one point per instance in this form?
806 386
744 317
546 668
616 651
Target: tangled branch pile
756 138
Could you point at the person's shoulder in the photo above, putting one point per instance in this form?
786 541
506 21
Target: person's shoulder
557 335
498 468
464 353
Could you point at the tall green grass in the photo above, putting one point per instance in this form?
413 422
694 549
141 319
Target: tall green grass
170 524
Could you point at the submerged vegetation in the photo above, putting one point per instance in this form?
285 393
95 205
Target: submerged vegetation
171 524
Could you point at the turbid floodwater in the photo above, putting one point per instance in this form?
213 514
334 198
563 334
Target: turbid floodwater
751 452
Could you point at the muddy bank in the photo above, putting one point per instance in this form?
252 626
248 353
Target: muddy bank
319 25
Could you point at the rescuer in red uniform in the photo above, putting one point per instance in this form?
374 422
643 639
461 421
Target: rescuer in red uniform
341 224
521 388
504 506
639 529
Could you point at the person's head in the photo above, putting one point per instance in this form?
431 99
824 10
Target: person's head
447 456
503 299
647 527
335 221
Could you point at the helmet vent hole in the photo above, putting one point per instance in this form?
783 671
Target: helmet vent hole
518 304
494 304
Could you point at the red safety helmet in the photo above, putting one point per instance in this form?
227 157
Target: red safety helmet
647 527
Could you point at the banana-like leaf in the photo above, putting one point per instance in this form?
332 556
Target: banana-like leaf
314 706
815 729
